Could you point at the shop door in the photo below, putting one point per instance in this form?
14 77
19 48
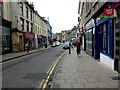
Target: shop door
97 38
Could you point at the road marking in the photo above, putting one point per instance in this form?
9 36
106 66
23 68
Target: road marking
16 58
41 83
52 68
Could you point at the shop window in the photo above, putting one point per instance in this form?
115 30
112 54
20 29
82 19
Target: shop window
105 41
104 38
89 40
5 42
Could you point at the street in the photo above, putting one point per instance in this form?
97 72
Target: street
27 72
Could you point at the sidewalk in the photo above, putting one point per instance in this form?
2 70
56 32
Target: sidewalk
9 56
83 72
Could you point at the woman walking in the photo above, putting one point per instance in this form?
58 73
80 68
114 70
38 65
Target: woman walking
78 46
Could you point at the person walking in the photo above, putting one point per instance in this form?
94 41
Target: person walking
27 46
78 47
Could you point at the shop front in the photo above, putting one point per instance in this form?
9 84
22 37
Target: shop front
30 39
44 40
104 41
89 33
5 37
39 41
104 36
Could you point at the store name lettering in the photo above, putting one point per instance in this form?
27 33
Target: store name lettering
29 36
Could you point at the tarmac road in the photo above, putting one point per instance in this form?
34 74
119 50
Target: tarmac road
27 72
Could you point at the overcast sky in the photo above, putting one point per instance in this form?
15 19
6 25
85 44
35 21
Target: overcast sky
63 14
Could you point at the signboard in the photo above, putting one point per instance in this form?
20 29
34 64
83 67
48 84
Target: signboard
29 36
1 0
108 12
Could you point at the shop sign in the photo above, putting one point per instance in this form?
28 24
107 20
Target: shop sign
39 36
108 12
90 24
29 35
1 0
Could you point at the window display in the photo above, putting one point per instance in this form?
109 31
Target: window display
89 40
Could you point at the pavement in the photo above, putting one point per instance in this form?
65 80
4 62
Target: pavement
83 72
10 56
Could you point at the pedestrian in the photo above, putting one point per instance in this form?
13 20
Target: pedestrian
78 47
69 48
27 46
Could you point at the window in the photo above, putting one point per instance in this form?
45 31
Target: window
27 12
21 8
31 15
104 38
22 23
89 40
27 25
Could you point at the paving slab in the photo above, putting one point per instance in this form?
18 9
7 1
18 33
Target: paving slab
85 72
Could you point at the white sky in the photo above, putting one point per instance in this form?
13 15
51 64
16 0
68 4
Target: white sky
63 14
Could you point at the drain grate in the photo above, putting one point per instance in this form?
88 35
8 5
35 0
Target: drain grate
116 78
35 76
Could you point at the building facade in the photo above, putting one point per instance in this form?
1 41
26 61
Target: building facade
22 26
98 31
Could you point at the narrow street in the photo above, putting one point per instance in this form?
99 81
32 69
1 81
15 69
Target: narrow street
28 72
59 44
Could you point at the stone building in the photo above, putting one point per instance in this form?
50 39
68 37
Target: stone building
99 31
22 25
27 26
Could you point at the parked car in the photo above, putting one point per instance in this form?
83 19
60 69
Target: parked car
53 44
66 45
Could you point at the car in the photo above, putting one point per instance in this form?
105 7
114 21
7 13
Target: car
53 44
66 45
57 43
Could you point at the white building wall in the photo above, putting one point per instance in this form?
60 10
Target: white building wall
107 61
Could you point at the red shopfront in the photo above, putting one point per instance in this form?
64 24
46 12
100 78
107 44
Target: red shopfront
29 37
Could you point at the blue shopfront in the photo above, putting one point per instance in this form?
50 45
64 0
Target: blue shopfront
104 41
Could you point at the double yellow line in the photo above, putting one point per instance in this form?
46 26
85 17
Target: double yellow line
50 71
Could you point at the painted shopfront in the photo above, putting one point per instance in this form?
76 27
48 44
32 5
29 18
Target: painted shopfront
29 38
104 39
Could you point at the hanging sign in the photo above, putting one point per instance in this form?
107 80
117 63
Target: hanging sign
108 12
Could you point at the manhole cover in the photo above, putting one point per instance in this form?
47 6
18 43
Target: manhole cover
116 78
35 76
